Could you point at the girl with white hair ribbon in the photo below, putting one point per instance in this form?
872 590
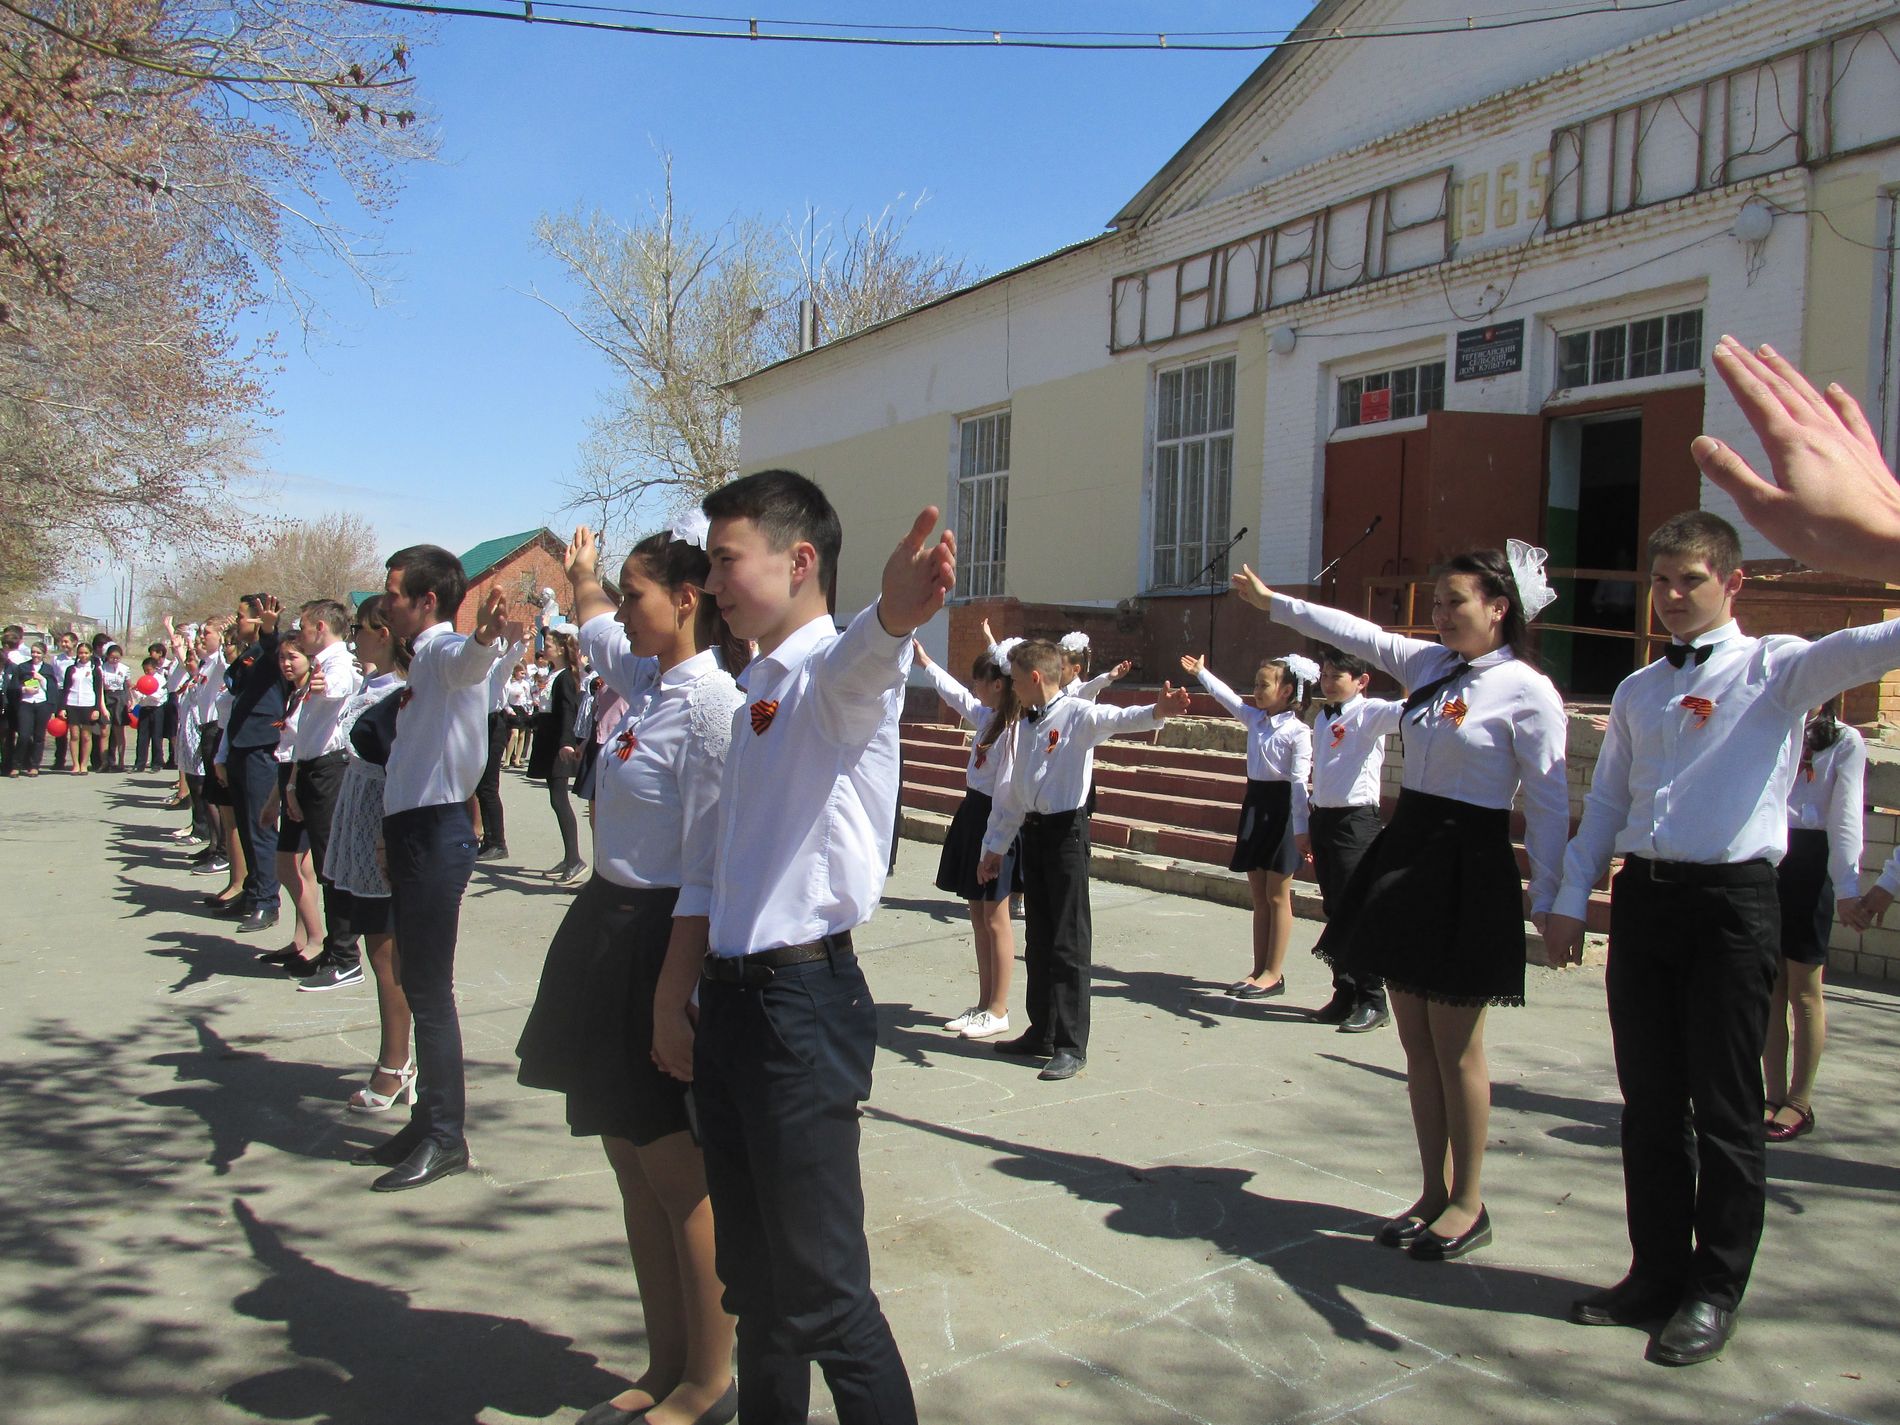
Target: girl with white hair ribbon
1436 905
1273 813
1075 667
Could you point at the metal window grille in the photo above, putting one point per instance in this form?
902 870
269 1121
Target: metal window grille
982 505
1194 473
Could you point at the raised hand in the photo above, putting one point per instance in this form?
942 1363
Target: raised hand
1248 585
989 638
583 556
488 622
315 686
270 610
515 631
1834 503
1121 670
917 577
1173 701
1195 663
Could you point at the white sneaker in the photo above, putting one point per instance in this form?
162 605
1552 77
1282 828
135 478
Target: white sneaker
983 1024
962 1021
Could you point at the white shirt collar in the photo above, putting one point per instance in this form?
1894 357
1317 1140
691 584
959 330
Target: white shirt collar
689 670
798 646
1721 633
1501 654
433 631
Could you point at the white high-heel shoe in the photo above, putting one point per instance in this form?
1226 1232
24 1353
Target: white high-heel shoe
367 1100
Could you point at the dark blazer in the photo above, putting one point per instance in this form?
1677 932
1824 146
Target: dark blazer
257 695
98 686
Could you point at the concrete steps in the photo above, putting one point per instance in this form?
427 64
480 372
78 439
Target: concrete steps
1165 816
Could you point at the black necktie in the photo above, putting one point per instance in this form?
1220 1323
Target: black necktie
1424 695
1678 654
1332 710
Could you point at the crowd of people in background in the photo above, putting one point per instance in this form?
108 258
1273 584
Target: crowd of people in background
701 1009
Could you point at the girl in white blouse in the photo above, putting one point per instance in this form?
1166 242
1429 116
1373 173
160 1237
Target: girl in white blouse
1435 906
1279 760
1819 876
989 705
82 704
591 1033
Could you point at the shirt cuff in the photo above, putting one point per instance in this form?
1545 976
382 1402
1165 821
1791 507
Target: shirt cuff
1572 901
693 900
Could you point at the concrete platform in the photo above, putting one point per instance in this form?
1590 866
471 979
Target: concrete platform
1182 1233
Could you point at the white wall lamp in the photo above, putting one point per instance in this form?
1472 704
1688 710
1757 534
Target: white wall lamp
1283 340
1754 222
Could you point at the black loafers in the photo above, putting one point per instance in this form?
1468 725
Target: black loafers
1634 1301
1336 1010
388 1153
1364 1019
1065 1065
430 1161
1697 1332
1428 1246
1026 1046
1401 1232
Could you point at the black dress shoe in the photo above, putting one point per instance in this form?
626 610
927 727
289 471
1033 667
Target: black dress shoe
1401 1232
289 955
1428 1246
260 918
1634 1301
1335 1011
1248 990
232 909
1366 1018
1065 1065
391 1151
494 851
1697 1332
429 1161
1025 1046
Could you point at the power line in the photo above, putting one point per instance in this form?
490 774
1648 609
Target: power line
751 29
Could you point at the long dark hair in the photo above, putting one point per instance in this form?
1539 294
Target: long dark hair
370 611
987 669
1495 581
676 564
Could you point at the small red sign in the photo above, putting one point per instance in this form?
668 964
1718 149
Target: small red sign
1375 406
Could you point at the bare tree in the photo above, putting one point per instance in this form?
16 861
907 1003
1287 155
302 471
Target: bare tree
328 557
681 310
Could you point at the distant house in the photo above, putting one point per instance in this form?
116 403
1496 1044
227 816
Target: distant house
520 565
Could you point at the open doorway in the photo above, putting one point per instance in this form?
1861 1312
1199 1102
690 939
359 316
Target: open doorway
1596 470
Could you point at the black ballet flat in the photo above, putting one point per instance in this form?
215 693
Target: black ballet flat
1428 1246
1401 1232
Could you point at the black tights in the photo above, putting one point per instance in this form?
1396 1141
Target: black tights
564 813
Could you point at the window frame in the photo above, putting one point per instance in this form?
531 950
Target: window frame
975 494
1169 439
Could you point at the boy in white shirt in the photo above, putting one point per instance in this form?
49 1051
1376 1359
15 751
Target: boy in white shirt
787 1028
1691 789
1051 768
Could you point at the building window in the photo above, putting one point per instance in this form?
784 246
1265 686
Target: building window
1194 473
1628 350
1392 395
982 504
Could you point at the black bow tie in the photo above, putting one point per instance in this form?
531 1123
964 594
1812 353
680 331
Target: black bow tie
1032 714
1332 710
1678 654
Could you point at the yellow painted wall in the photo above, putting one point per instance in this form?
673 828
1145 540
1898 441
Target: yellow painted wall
1078 456
1841 276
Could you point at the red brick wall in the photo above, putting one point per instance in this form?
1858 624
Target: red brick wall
521 577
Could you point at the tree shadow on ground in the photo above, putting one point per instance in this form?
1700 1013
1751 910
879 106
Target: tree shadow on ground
370 1357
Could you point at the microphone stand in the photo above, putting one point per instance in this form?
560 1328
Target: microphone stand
1365 534
1213 603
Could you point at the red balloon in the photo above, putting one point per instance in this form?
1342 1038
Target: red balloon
147 685
56 727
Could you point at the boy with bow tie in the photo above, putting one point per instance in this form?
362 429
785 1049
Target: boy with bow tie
1691 789
1051 769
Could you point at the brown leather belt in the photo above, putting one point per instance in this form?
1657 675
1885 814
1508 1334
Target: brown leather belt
757 968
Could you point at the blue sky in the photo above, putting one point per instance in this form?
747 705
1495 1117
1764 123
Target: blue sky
451 412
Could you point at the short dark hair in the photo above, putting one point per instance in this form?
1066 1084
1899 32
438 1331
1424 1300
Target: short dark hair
331 614
787 508
150 663
157 649
1697 534
1351 664
431 569
1040 654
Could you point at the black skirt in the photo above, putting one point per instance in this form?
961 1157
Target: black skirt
590 1033
216 793
546 742
291 834
963 848
1265 840
1807 897
1436 906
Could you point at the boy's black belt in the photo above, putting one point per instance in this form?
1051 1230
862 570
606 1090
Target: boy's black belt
757 968
1702 873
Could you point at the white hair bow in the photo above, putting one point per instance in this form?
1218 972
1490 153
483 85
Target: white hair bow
1001 652
1304 670
1074 643
691 527
565 630
1534 593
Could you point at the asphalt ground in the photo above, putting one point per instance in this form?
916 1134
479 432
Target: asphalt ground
1182 1233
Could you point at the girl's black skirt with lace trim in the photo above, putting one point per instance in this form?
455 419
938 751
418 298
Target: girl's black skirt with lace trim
1436 905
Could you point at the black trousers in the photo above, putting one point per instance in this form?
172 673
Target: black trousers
318 782
1690 974
1058 948
252 775
204 821
171 732
779 1070
1341 836
431 853
488 790
28 729
146 749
